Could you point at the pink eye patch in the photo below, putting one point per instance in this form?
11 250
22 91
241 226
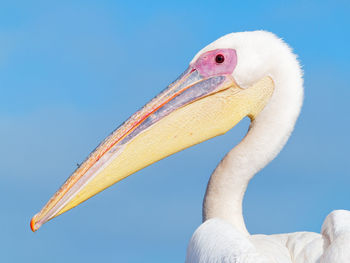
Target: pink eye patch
216 62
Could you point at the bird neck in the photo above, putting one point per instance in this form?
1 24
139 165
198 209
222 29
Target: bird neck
267 135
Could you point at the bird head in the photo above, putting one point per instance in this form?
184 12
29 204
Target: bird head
225 82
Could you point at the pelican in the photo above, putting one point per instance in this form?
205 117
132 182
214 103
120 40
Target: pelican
252 74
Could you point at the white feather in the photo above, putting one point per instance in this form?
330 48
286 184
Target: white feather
223 236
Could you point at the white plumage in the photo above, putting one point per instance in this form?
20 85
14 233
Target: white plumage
251 74
223 236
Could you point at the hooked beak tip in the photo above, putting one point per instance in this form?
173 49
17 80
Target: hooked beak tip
32 224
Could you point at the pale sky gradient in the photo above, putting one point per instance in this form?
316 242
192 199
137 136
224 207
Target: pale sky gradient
72 71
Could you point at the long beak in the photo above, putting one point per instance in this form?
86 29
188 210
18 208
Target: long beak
190 110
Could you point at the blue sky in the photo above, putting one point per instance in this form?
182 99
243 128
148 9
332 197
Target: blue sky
70 72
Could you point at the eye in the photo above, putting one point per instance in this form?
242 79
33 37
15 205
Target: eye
219 58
